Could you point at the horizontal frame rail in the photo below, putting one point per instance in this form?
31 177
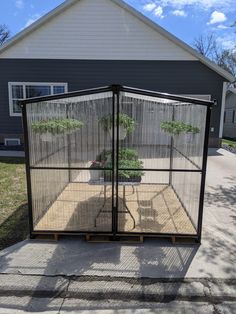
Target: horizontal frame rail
181 235
68 168
109 169
166 96
117 88
84 92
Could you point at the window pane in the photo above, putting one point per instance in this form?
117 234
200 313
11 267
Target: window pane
16 107
37 91
17 91
58 89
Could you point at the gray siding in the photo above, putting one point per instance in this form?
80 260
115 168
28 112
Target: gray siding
178 77
230 108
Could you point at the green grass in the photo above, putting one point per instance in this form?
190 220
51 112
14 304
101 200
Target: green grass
229 142
13 201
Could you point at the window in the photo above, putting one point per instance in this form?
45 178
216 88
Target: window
18 91
11 141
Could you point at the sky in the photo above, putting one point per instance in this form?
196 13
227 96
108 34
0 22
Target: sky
186 19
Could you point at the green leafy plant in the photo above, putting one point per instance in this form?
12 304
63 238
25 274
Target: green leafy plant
178 127
128 154
128 158
124 154
124 120
56 126
127 175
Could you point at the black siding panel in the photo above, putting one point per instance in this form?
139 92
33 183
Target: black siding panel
178 77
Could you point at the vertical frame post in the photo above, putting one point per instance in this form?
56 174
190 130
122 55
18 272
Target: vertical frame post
27 167
203 178
113 163
68 137
115 157
171 149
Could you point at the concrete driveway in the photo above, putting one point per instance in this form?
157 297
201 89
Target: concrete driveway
209 269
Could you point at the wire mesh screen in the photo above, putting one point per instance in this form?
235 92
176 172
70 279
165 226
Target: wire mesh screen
188 146
66 133
160 140
150 142
188 154
75 206
116 161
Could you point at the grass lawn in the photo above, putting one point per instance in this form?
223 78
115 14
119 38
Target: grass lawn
229 142
13 201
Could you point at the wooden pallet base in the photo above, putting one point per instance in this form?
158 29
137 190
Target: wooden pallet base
120 239
46 237
180 240
99 238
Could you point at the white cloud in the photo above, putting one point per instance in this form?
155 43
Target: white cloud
156 10
19 4
203 4
159 12
179 13
149 7
217 17
32 19
221 26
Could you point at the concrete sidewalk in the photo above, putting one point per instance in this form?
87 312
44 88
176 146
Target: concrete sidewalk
61 294
119 269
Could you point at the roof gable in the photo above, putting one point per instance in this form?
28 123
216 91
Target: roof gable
104 29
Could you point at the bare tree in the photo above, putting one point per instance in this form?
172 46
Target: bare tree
4 34
208 47
227 60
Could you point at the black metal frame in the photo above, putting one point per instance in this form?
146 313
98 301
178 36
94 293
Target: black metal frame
116 89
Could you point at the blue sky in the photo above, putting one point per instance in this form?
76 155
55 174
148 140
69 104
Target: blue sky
186 19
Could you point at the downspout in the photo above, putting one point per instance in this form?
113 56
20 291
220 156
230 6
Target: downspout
225 87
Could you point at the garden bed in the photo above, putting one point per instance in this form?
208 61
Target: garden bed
229 145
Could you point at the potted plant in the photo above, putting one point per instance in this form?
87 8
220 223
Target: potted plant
128 158
95 172
126 175
179 127
53 128
126 124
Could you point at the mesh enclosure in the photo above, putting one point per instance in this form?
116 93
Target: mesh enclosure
116 161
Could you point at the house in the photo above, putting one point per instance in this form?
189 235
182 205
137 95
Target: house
230 114
86 43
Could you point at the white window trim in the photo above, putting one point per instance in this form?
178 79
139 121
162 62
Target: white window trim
24 84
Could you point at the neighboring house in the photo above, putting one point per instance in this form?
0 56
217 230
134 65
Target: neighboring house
230 114
86 43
